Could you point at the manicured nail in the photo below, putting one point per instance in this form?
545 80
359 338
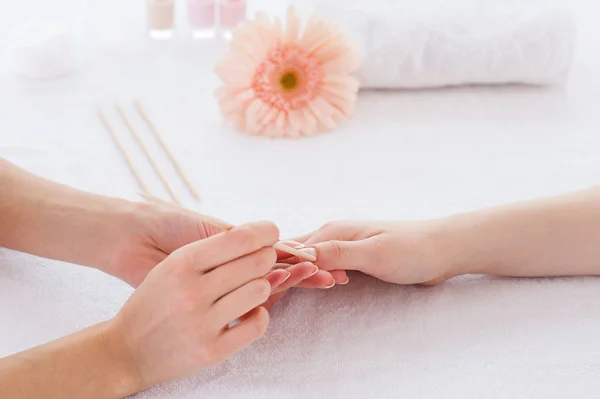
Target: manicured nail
331 285
314 271
288 275
345 282
299 246
309 251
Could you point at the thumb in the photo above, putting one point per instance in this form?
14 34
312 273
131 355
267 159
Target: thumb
343 255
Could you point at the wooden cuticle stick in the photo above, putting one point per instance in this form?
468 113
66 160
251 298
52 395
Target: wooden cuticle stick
124 153
153 162
166 148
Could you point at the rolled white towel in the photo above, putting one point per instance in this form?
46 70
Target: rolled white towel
434 43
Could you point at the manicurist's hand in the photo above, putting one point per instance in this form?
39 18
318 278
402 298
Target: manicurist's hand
175 324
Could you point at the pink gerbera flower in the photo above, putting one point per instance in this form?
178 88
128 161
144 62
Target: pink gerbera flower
280 82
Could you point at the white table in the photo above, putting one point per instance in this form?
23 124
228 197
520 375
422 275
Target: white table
405 155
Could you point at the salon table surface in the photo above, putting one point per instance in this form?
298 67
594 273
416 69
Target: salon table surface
404 155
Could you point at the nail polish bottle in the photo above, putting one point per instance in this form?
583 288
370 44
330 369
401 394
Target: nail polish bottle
161 18
202 18
231 13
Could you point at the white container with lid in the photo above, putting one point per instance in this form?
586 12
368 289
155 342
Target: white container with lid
51 43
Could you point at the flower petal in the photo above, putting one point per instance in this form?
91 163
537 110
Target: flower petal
313 32
311 125
337 55
277 30
324 112
252 41
281 121
232 101
234 73
268 117
252 112
295 123
346 62
292 31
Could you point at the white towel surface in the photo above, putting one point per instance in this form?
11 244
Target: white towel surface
472 337
430 43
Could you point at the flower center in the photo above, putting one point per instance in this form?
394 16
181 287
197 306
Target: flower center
289 81
288 78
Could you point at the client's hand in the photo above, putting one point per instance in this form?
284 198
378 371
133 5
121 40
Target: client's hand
400 252
176 322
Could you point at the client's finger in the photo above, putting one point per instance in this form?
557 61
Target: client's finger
298 273
277 277
340 276
321 279
343 255
305 275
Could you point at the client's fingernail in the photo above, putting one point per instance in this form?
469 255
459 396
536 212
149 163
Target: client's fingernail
287 276
309 251
314 271
299 246
330 285
345 282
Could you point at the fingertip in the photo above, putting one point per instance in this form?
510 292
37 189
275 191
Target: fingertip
321 279
261 320
263 288
278 277
340 277
271 230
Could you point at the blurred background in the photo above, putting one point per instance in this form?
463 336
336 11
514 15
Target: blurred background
416 154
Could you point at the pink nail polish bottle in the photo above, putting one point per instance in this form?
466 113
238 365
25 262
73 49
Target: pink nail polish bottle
232 13
202 18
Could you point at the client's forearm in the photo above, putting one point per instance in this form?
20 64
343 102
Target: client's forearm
78 366
557 236
54 221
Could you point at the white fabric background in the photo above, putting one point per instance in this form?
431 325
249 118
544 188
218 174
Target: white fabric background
405 155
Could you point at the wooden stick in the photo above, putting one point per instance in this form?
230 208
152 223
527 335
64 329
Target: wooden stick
125 154
166 148
228 226
153 162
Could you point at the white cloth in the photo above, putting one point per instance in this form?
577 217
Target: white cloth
429 43
405 155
